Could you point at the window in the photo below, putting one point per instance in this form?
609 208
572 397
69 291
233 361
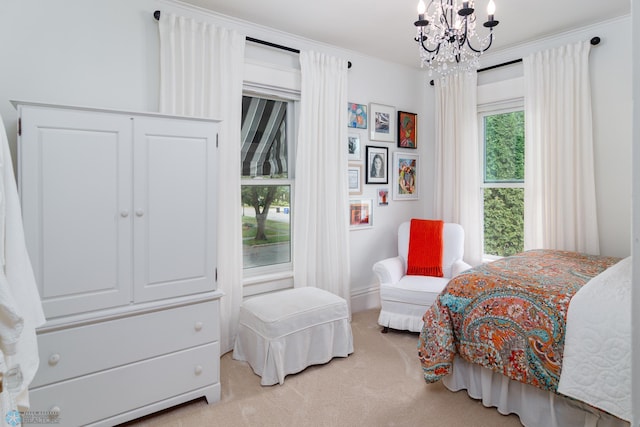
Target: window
267 184
502 136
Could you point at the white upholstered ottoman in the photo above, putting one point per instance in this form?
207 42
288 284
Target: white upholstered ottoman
283 332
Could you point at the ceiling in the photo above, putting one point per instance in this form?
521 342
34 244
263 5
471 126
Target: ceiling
384 28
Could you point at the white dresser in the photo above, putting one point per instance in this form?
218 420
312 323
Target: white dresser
119 211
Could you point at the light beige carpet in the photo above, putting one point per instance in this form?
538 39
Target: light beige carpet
380 384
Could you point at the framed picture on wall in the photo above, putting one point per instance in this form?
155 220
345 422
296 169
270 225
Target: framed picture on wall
355 179
405 176
357 115
377 165
355 153
383 196
360 213
407 130
382 120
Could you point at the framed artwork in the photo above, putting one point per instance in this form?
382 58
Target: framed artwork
383 122
407 130
383 196
357 115
360 213
354 147
355 179
405 176
377 165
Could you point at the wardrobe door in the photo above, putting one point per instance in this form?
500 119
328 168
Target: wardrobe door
174 207
75 184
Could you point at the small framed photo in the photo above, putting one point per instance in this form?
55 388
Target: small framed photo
383 122
354 147
377 165
360 213
383 196
405 176
355 179
357 115
407 130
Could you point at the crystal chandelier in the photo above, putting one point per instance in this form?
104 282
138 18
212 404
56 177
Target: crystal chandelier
447 38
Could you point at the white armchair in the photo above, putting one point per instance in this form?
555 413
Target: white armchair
404 299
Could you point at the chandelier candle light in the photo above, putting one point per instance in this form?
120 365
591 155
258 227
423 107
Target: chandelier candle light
444 34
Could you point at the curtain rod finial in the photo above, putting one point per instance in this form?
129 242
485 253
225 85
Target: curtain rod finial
595 41
156 15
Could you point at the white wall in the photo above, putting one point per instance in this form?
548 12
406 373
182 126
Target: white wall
403 89
611 95
98 53
104 53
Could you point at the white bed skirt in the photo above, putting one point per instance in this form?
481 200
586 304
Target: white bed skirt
401 316
535 407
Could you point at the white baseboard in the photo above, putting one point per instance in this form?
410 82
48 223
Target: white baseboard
365 299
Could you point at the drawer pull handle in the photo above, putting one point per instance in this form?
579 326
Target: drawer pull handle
124 214
54 359
54 412
139 212
198 326
198 370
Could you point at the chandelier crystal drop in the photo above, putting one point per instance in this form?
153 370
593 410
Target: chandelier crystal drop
447 37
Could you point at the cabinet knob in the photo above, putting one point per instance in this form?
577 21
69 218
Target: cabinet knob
54 411
139 212
198 370
198 326
54 359
124 214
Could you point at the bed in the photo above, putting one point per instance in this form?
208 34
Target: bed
544 334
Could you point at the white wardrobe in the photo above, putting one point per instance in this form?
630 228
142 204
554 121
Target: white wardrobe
119 211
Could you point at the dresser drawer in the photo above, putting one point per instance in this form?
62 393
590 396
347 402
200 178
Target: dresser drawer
85 349
99 396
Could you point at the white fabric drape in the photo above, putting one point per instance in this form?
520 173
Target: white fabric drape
560 201
201 74
534 406
20 306
457 157
321 228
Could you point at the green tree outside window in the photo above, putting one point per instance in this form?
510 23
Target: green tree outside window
503 183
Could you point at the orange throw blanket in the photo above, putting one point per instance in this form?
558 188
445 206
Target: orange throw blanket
425 248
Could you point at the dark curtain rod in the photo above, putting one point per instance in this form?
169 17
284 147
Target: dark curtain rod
594 41
156 15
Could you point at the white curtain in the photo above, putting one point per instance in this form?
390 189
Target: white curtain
201 74
560 201
321 228
457 158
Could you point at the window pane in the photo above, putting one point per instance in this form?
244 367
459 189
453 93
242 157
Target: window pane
503 221
504 147
266 225
264 138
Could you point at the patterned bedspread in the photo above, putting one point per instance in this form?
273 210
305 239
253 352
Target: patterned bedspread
508 315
